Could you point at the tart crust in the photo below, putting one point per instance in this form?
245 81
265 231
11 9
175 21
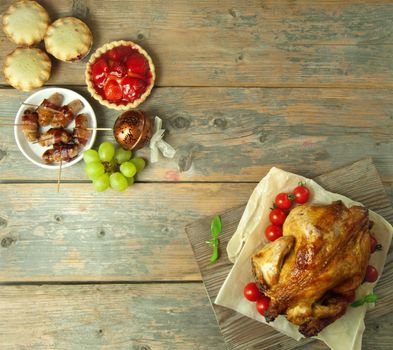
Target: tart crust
103 49
25 22
27 68
68 39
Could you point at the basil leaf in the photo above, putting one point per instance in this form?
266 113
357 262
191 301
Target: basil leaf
213 242
215 226
369 298
214 256
357 303
215 230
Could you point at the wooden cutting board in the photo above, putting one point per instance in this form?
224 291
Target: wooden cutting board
359 181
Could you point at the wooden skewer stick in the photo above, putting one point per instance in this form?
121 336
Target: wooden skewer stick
10 124
39 106
56 111
90 129
59 175
100 129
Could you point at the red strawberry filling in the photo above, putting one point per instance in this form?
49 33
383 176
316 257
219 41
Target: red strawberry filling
133 87
113 91
118 69
121 75
99 72
137 64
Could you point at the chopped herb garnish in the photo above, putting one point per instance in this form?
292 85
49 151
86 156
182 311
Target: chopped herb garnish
215 230
369 298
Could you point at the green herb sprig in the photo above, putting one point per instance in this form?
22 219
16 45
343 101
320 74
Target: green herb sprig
369 298
215 230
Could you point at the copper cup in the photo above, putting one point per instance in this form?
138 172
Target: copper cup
133 129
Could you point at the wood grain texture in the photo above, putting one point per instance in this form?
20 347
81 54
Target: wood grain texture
132 317
359 181
243 43
80 235
232 134
222 134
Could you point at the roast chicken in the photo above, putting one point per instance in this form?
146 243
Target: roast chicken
310 272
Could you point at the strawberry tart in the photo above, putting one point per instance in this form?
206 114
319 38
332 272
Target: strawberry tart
120 75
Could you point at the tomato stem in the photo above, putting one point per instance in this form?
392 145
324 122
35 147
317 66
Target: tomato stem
291 197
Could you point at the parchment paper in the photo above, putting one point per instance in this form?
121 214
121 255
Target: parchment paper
343 334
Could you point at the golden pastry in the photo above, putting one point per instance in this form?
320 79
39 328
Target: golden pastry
27 68
25 22
68 39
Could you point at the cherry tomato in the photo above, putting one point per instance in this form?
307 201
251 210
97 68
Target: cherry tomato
251 292
262 305
273 232
283 201
302 194
277 216
371 274
374 244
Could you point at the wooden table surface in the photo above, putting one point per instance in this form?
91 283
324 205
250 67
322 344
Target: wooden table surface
241 86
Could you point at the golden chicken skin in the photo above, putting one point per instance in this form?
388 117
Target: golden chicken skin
320 260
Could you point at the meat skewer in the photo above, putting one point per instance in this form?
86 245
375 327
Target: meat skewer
61 152
30 125
48 107
36 106
66 114
55 135
81 132
20 124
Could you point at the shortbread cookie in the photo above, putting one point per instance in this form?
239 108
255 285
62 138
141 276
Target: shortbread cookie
68 39
25 22
27 68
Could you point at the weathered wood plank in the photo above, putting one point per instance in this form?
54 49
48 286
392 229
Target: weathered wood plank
136 317
359 181
232 134
80 235
125 316
248 43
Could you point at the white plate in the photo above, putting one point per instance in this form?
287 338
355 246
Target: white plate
33 152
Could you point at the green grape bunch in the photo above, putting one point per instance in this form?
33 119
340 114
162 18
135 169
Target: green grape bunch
111 167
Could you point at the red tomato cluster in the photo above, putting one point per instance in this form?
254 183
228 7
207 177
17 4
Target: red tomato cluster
374 246
282 203
371 272
252 293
